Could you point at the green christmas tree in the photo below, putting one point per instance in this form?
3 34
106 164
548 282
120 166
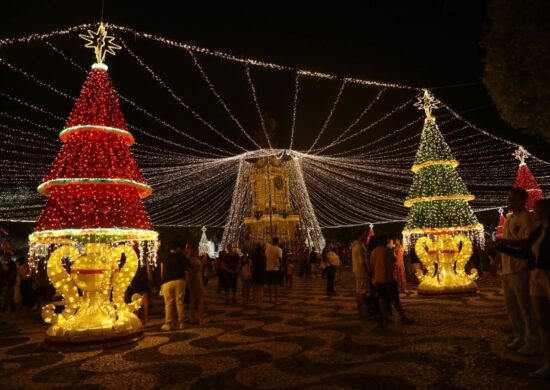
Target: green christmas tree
438 198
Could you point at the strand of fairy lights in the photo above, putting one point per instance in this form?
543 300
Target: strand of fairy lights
238 207
371 125
253 62
325 176
294 108
35 79
220 99
33 37
257 104
489 135
142 110
329 116
49 86
394 147
180 101
352 125
389 147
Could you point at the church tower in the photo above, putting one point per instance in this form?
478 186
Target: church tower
271 213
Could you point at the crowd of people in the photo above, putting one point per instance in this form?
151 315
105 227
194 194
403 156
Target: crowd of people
19 288
380 266
377 264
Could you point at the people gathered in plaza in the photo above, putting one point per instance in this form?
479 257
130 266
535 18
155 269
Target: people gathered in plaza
381 270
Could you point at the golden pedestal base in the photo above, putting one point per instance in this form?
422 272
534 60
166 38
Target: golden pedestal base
450 255
95 314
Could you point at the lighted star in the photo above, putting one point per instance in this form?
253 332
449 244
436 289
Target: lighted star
101 42
521 154
427 102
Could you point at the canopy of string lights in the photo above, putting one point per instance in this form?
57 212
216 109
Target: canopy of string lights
355 140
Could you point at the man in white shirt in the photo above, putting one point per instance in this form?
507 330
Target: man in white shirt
359 266
273 259
515 276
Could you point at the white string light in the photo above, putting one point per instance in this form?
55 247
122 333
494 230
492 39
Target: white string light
360 185
220 99
329 116
255 97
294 108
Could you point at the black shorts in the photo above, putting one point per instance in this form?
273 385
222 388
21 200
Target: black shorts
387 291
273 277
230 282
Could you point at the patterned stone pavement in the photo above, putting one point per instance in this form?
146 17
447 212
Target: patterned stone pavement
307 342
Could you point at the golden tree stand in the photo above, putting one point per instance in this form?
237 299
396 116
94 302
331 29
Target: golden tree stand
450 254
99 317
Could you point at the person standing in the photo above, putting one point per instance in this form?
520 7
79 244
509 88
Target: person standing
206 271
8 275
141 284
219 271
258 275
172 270
359 267
399 271
230 266
537 250
246 277
382 263
194 285
515 276
273 259
289 271
332 264
313 262
373 304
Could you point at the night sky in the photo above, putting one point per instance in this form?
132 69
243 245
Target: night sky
421 43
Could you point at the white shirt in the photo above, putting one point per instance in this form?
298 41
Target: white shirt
273 257
516 227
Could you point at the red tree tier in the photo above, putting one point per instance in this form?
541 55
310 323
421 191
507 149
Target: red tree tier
94 181
527 181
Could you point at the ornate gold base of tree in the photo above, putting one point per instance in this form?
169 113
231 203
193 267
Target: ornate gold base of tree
445 258
99 317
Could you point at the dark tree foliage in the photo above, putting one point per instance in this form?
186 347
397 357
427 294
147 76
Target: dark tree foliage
517 63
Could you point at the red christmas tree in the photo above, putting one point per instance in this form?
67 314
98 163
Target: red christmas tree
94 181
526 180
501 221
371 232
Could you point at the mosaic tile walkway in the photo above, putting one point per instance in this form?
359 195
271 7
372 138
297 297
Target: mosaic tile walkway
306 342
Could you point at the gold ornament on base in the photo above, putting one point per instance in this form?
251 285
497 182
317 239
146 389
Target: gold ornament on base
100 315
450 254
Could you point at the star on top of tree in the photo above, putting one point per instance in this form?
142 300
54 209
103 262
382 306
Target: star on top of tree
501 211
101 42
521 154
427 102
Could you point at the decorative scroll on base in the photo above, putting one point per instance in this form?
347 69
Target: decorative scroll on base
99 317
445 258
